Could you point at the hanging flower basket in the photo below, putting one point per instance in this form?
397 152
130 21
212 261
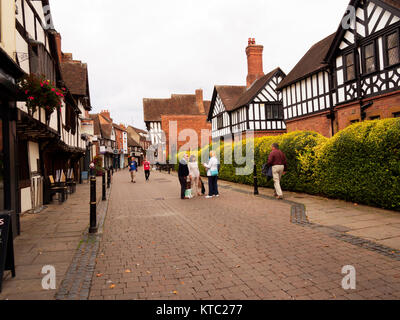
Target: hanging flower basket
39 92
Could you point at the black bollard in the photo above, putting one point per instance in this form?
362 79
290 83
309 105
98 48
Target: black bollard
169 169
93 222
255 181
108 178
104 185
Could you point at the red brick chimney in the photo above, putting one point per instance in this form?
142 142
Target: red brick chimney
58 43
254 62
200 101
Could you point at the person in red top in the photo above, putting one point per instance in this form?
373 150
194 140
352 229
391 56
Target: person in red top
277 161
146 167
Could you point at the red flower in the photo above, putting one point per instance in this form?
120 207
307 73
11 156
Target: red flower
31 98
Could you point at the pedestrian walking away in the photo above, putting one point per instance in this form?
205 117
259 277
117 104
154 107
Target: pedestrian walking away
277 160
194 174
183 173
133 169
212 174
146 167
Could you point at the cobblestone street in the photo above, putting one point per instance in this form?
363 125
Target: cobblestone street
238 246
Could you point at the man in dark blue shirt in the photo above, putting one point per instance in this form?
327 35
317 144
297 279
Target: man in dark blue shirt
133 169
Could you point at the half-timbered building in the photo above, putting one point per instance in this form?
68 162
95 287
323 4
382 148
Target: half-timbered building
255 108
49 143
351 76
306 92
365 60
10 72
106 141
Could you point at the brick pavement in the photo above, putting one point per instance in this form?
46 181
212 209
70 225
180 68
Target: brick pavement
48 238
238 246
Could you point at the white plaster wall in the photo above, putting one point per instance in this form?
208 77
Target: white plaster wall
22 47
8 30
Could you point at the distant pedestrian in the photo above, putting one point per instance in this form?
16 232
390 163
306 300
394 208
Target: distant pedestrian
212 174
183 173
194 174
277 161
146 167
133 169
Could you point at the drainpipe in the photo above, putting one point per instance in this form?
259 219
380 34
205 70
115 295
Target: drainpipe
331 115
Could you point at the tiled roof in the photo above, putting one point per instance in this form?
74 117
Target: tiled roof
311 62
393 3
230 95
132 142
177 105
75 75
102 126
138 130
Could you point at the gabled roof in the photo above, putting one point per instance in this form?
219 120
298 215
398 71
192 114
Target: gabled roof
311 62
230 95
132 142
248 96
178 104
76 78
138 130
118 127
207 106
102 127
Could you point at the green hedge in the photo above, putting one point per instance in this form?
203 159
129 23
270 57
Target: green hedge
359 164
362 164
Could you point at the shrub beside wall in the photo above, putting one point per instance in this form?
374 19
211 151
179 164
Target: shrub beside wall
359 164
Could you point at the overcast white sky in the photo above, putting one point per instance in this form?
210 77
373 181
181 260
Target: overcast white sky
139 49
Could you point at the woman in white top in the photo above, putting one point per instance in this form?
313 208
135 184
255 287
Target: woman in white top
194 174
212 174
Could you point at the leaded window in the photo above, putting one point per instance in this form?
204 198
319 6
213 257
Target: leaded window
220 122
350 67
370 59
393 54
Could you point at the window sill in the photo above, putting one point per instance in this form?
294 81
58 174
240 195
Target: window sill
393 66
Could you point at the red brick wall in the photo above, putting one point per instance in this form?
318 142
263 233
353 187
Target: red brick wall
196 123
119 139
384 106
319 123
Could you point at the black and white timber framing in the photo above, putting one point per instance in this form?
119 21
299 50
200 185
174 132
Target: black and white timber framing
363 61
239 109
